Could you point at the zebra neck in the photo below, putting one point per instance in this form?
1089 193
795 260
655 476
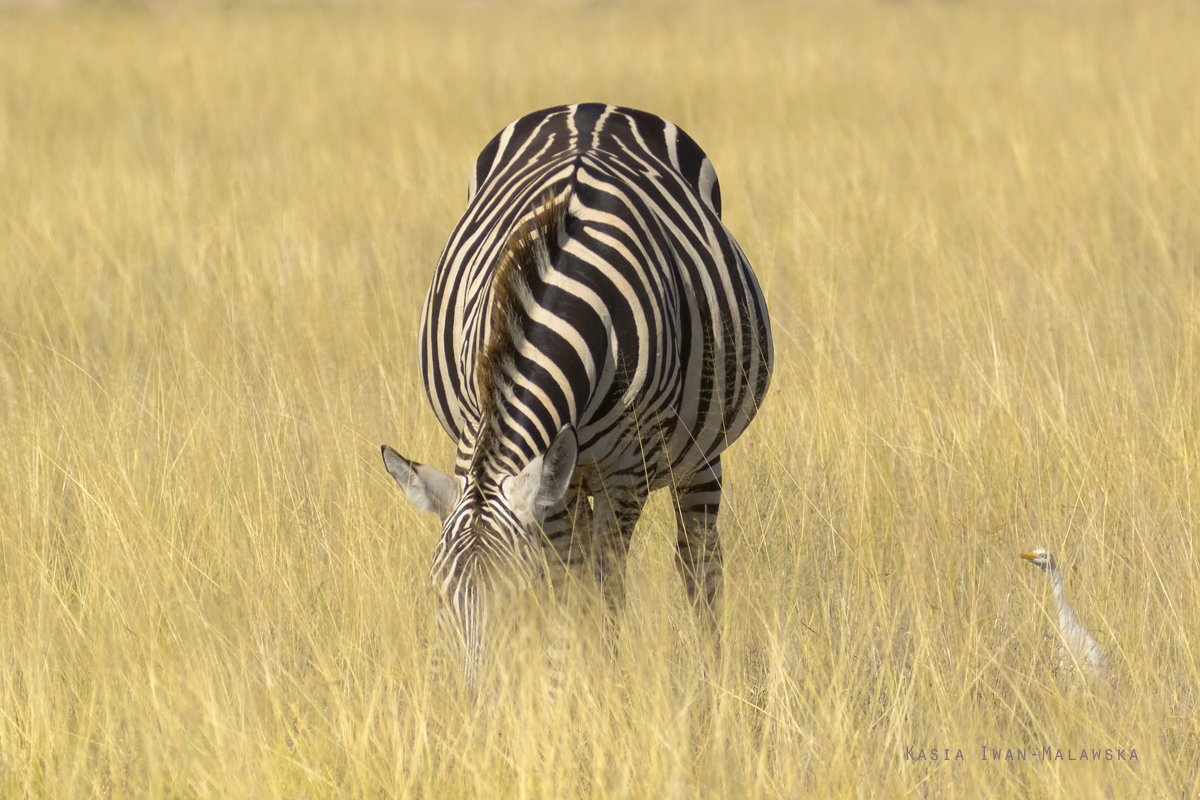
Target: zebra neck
501 444
489 450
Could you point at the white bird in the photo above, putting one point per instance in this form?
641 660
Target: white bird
1078 646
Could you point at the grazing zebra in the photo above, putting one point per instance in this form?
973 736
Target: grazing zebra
593 332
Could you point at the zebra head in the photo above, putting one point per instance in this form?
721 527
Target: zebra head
490 549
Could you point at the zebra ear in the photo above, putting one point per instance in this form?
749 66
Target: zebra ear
545 480
427 487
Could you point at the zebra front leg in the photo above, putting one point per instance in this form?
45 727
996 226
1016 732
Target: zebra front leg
698 546
615 515
566 540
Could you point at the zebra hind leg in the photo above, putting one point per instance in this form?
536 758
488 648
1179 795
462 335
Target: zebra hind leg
698 546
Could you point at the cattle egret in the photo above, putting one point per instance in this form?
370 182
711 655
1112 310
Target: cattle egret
1078 647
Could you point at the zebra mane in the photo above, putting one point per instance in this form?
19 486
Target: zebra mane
531 250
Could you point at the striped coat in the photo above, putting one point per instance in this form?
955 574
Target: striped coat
593 332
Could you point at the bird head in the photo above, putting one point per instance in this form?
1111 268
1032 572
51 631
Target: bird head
1042 558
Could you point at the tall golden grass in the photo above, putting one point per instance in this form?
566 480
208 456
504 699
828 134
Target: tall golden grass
978 229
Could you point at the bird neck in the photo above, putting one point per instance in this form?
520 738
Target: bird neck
1056 581
1068 623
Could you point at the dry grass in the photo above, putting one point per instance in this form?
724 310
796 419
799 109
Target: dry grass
979 232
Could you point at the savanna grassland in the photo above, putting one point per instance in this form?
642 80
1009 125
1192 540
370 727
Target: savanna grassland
978 230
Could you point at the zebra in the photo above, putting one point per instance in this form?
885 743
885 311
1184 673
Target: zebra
593 332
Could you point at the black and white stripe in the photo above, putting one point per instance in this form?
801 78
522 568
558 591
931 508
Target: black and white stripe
593 332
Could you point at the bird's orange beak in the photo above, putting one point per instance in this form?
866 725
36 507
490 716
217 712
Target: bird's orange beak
1028 556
